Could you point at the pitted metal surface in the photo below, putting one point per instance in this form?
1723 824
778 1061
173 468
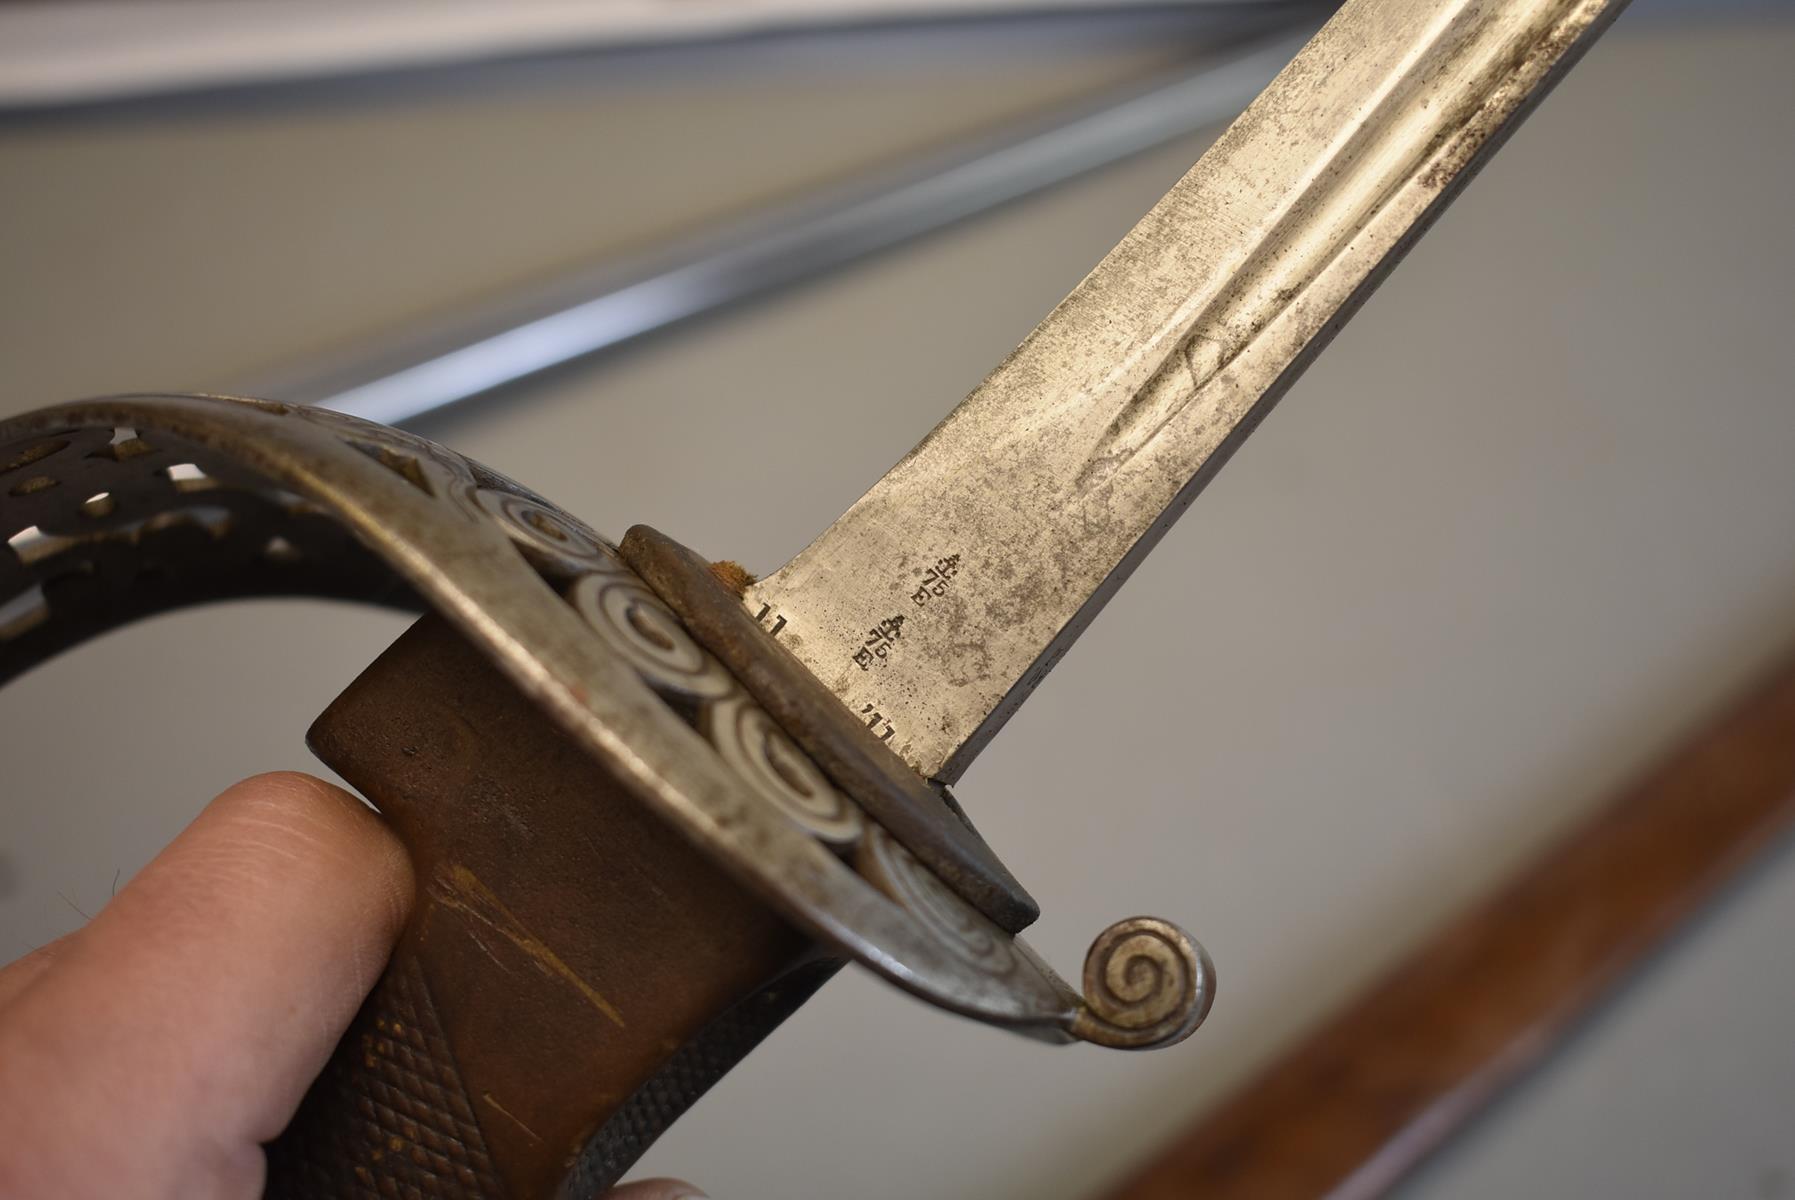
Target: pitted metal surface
229 497
942 597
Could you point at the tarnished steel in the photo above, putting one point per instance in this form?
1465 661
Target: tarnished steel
935 604
937 832
550 671
574 730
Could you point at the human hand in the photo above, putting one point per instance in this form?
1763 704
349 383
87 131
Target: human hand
152 1052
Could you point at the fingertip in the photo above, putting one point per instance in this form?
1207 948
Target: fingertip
21 973
341 837
198 1005
656 1189
337 819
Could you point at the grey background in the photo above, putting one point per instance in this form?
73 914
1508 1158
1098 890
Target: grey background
1529 518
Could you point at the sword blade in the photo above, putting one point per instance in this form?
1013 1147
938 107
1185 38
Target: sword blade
942 597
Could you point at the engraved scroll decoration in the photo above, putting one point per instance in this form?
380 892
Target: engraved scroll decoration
104 524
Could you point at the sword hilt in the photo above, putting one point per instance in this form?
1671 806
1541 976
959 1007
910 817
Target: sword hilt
642 833
562 941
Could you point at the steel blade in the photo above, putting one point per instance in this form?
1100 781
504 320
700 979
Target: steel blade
937 602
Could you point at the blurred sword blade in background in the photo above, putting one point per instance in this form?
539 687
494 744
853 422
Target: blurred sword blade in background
1005 531
399 378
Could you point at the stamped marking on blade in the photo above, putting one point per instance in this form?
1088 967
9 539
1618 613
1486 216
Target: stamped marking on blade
1057 475
771 621
936 580
879 641
877 721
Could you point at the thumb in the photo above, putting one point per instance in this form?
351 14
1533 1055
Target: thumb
153 1051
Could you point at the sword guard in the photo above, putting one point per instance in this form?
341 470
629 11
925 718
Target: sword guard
581 746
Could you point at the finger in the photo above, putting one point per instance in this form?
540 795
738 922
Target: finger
21 973
655 1189
180 1028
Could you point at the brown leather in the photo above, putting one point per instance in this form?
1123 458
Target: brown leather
565 946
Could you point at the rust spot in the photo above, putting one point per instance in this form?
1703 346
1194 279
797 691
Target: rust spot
732 575
131 448
34 453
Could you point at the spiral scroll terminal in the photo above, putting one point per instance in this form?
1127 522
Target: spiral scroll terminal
1147 983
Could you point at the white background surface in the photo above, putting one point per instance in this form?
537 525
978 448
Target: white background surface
1525 522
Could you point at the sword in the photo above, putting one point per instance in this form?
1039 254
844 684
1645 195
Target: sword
653 805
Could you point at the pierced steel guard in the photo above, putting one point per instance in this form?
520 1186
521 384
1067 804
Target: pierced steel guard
618 901
643 833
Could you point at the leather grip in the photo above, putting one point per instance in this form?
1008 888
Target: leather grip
573 974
